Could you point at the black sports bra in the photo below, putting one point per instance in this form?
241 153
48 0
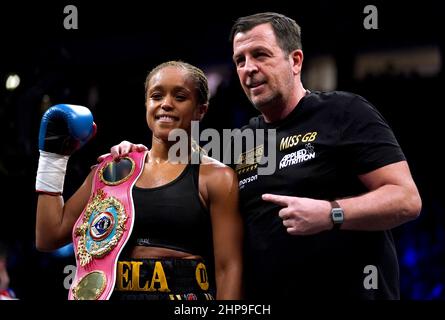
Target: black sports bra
173 216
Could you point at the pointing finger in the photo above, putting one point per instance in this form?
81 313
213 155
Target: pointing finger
277 199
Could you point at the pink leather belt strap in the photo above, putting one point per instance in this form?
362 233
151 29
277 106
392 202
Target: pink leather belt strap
103 228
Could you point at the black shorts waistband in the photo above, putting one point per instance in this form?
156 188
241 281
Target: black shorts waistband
165 278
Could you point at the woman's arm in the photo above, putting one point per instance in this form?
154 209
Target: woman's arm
222 188
55 219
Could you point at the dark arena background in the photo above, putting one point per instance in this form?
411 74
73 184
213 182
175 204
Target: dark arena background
103 64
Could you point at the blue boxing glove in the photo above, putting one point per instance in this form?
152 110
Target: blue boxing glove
63 130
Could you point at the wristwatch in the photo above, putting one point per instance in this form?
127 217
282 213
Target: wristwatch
337 215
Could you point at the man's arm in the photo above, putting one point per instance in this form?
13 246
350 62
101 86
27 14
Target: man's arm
392 200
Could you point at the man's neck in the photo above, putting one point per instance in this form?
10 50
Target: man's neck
281 110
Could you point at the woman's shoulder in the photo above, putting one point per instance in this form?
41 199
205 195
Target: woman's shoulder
220 179
206 160
216 169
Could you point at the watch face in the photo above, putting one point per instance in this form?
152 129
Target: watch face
337 215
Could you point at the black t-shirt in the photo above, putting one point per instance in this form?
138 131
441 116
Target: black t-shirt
321 148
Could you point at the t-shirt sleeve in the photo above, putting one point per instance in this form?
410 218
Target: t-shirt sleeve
366 139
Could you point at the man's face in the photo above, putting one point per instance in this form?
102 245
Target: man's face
266 73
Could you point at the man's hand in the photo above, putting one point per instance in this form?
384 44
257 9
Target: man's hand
302 216
122 150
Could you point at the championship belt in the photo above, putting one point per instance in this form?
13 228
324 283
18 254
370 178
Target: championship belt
103 228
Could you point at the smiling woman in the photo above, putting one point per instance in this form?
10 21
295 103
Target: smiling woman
176 94
174 228
184 212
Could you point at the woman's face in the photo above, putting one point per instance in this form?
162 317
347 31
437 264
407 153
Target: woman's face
172 102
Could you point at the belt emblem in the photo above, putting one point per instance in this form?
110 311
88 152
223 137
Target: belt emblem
102 227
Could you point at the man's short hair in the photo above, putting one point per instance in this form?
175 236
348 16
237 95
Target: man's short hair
287 31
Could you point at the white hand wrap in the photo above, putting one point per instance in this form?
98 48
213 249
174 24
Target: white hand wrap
51 172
